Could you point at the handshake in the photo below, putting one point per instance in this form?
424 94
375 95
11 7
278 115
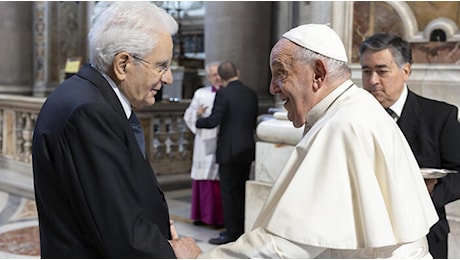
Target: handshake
184 247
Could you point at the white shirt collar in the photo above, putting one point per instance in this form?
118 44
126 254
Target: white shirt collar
397 107
124 101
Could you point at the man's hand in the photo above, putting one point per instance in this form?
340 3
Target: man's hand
430 183
200 111
184 247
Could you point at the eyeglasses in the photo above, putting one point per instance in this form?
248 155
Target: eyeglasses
163 67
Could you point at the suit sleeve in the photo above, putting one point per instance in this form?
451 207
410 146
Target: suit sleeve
103 188
218 113
448 188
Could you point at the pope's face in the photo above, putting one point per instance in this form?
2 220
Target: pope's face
149 74
291 81
382 77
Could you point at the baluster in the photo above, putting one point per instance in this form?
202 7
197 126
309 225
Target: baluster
174 136
27 136
160 137
186 141
19 138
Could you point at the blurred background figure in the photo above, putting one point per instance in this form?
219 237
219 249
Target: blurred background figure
235 112
206 198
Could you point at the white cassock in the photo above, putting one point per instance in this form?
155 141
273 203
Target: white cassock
204 165
350 189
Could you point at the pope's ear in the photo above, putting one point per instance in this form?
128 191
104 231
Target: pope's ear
319 74
121 64
320 70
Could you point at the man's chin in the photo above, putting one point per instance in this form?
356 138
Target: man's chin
298 125
294 122
149 101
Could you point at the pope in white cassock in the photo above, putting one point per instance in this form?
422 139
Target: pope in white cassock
352 187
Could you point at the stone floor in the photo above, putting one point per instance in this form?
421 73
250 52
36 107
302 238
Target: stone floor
19 236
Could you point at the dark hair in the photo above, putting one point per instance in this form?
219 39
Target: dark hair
227 70
400 48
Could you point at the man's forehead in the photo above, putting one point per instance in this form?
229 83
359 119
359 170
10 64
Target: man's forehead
282 50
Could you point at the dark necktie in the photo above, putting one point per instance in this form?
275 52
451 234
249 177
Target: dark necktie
138 132
392 114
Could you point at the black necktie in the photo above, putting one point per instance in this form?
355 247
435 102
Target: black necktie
392 113
138 132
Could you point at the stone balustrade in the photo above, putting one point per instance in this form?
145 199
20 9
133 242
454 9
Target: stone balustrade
169 143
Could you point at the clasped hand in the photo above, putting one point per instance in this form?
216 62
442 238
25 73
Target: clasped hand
184 247
201 109
430 183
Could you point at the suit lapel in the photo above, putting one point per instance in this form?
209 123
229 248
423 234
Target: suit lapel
409 121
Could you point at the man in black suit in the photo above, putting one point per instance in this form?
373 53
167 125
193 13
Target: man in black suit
96 194
431 127
235 111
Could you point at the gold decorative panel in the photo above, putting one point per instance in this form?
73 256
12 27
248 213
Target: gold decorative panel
381 17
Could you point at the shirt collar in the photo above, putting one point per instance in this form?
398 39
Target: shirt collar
124 101
397 107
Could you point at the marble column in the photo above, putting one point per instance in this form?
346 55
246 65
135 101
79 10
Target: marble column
16 47
241 32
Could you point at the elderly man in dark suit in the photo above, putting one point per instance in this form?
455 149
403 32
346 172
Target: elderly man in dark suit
235 111
431 127
96 194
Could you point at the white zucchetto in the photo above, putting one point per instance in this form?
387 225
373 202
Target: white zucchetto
319 38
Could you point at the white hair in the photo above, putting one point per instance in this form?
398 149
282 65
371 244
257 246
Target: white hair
336 68
210 64
127 26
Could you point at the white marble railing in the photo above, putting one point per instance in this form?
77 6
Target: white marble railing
169 150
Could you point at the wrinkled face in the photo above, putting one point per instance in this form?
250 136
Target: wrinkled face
146 76
213 76
382 77
292 82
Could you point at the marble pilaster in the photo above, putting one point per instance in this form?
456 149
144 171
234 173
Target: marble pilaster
40 42
60 30
16 47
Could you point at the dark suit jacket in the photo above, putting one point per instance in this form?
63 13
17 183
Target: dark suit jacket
235 110
97 196
433 132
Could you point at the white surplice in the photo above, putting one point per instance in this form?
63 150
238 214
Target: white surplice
204 165
350 189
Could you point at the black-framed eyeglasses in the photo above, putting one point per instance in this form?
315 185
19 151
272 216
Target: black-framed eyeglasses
163 67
